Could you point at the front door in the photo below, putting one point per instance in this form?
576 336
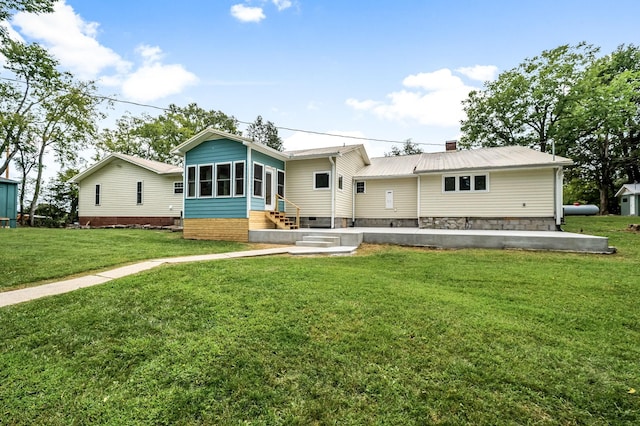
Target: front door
269 189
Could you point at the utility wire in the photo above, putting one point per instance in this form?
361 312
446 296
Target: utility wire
292 129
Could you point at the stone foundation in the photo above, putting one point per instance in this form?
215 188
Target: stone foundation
490 223
98 221
386 223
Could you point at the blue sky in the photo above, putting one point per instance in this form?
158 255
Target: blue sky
376 69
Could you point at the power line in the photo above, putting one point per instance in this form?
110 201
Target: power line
292 129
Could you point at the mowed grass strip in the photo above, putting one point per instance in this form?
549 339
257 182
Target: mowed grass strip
31 255
395 336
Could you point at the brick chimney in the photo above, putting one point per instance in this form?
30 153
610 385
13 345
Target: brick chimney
451 145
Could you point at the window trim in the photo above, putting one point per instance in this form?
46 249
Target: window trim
98 194
323 172
364 187
195 182
181 187
284 180
199 181
261 180
472 183
139 193
230 164
235 179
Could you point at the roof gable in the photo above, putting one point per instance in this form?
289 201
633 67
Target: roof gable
332 151
395 166
629 189
211 134
153 166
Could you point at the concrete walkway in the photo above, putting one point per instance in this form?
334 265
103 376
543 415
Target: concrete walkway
24 295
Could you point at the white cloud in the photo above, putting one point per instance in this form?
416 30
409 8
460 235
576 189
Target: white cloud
431 99
73 42
247 14
282 4
480 72
154 80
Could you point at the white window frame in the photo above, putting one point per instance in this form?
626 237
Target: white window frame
97 194
324 172
364 187
195 182
340 182
215 193
213 179
175 188
139 193
472 183
261 180
284 180
235 179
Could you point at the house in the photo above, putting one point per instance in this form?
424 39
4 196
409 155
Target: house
8 203
125 190
234 185
629 199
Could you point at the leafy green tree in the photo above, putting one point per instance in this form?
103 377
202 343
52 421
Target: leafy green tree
265 133
408 148
43 111
153 138
61 197
525 105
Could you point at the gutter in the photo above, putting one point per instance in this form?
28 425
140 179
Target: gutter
333 192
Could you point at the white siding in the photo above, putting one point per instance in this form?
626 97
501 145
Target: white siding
118 182
347 166
371 204
299 187
522 193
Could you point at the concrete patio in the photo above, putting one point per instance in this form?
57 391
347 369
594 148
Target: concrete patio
441 238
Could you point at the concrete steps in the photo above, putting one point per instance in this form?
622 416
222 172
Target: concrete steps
319 241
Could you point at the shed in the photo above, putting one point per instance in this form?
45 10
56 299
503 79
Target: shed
629 199
8 202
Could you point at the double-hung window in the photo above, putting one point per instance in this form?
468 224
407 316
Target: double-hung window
191 181
223 180
281 183
465 183
205 181
238 176
360 187
98 195
258 170
139 192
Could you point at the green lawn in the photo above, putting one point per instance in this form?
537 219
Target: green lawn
35 254
391 336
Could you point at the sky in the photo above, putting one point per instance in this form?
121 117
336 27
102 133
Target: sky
378 69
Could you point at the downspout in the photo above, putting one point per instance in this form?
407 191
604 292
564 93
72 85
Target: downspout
248 185
558 198
333 192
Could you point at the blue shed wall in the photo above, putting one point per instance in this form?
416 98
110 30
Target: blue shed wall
9 201
212 152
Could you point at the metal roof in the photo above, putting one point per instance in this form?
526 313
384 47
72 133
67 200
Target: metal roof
4 180
629 189
383 167
488 158
154 166
331 151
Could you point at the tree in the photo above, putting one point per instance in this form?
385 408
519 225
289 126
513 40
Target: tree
153 138
43 111
265 133
61 197
408 148
602 131
525 105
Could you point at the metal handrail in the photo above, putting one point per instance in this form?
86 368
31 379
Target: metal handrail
280 197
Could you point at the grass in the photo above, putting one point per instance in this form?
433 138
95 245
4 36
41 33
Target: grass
32 255
392 336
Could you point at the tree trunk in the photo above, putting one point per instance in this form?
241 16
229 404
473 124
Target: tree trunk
36 190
